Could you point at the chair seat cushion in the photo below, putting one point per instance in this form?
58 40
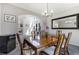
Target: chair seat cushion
49 50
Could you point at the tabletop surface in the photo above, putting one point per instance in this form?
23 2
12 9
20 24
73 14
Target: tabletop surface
42 42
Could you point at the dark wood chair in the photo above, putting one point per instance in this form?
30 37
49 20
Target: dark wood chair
21 45
54 49
64 49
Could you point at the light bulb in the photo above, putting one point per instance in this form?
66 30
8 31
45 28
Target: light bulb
51 11
45 11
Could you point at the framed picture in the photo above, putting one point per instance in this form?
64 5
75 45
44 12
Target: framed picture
9 18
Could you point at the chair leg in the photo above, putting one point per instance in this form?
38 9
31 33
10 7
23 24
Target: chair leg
67 52
21 52
24 43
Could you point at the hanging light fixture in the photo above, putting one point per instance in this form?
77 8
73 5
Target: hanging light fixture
47 12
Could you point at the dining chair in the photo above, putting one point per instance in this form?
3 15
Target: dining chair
55 38
66 44
21 45
58 33
52 49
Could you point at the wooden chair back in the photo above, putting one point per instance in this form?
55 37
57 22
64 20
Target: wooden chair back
43 35
58 33
67 40
59 44
20 44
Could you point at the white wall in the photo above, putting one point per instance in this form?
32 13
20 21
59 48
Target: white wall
8 27
75 32
11 28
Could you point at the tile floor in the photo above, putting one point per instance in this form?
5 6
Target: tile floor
73 50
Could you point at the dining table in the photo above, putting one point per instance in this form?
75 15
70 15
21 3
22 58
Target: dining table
38 44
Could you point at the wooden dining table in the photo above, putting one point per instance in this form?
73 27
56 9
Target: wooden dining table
38 44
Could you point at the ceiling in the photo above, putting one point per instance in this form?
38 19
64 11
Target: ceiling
41 7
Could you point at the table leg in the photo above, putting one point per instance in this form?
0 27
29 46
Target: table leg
37 51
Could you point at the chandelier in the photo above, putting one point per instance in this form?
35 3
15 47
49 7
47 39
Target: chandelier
47 12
